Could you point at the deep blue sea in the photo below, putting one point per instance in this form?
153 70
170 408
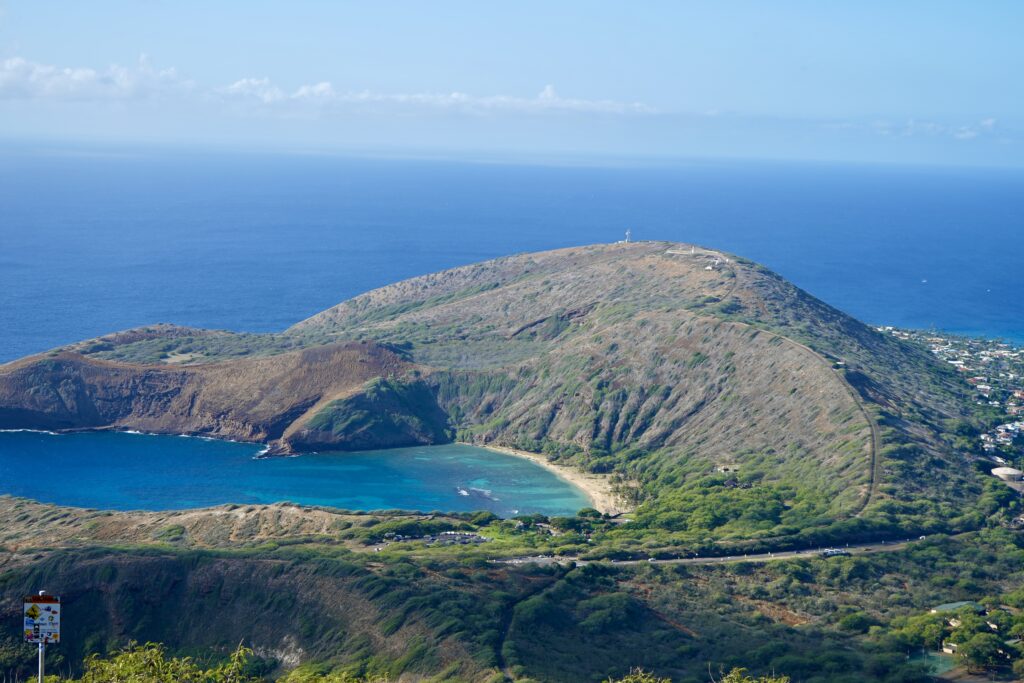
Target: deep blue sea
92 242
122 471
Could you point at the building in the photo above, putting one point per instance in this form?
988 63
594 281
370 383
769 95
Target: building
957 606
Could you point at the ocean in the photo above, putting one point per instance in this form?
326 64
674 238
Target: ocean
92 241
124 471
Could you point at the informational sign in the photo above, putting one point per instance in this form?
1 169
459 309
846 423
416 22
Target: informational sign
42 619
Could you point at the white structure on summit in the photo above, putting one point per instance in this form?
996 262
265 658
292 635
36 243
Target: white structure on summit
629 235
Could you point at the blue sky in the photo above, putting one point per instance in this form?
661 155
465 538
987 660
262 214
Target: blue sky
907 82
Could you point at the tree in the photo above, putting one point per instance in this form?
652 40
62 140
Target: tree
858 622
16 658
982 651
1017 630
568 523
299 676
740 676
970 625
483 518
149 664
932 633
640 676
1018 667
926 630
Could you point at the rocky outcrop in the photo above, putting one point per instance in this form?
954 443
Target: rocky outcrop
246 400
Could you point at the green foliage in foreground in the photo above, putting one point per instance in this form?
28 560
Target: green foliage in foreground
740 676
334 677
149 663
734 676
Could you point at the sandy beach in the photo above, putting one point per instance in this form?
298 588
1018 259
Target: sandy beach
597 487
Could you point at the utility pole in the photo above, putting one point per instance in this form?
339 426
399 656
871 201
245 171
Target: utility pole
42 653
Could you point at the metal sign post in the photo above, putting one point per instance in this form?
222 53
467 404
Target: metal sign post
42 624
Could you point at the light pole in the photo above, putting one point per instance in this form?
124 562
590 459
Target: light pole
42 652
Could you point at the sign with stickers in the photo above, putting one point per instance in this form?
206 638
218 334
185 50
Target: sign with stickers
42 619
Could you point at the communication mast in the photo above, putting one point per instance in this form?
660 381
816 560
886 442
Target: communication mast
629 235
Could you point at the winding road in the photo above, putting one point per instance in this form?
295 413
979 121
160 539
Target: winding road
852 549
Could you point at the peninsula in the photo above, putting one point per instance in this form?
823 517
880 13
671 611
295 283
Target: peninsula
666 368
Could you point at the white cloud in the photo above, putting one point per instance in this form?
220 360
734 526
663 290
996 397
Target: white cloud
320 91
919 128
324 94
256 88
23 79
915 128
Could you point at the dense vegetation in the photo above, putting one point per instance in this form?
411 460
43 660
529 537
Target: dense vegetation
150 663
452 616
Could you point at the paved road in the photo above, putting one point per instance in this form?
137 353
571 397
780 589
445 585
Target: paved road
853 549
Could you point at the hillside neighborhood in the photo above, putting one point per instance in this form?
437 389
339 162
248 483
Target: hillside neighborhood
994 370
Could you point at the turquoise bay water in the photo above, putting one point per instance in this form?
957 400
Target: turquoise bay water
120 471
